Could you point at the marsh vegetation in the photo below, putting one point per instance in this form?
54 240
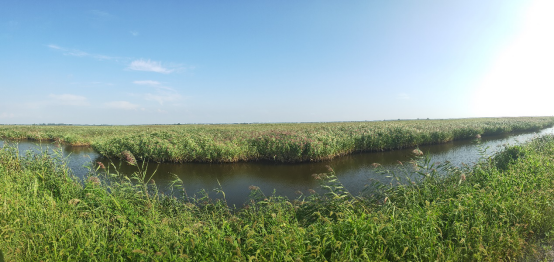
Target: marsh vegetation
499 209
284 143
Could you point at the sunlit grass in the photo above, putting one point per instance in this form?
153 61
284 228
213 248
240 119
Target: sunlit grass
269 142
501 209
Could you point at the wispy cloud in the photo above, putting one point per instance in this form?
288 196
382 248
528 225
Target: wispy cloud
91 84
152 83
79 53
163 94
162 97
150 66
403 96
147 82
134 32
69 99
124 105
136 65
55 47
100 15
99 18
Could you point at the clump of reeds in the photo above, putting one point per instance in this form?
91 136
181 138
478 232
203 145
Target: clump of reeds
417 152
271 142
128 157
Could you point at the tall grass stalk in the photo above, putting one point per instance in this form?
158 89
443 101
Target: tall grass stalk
270 142
499 210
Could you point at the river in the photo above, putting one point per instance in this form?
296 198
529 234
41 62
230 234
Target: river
354 171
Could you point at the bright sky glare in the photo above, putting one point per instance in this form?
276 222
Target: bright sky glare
139 62
520 80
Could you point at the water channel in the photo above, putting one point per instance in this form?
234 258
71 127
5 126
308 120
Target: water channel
354 171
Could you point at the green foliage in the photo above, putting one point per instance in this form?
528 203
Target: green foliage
484 213
271 142
508 156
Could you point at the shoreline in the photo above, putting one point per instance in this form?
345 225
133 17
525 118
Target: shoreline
287 143
500 208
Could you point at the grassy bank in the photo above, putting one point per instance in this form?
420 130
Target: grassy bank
272 142
501 209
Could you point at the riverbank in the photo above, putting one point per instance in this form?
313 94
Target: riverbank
283 143
498 210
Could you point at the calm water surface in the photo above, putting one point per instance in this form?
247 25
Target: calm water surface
354 171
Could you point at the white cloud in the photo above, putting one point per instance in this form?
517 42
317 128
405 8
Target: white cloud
137 65
76 53
91 84
121 105
147 82
403 96
134 33
152 83
55 47
150 66
69 99
79 53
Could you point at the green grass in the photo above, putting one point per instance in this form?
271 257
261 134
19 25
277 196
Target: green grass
501 209
269 142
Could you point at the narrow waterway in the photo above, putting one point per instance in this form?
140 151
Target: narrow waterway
354 171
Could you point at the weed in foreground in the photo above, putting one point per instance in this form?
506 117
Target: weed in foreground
500 209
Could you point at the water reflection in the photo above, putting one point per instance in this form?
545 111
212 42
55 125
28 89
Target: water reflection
354 171
79 159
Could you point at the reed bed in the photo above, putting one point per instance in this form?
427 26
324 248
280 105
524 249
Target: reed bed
285 143
499 210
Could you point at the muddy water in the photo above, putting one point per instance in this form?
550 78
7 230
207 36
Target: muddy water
354 171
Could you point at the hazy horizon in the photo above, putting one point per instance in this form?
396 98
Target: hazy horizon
272 62
254 123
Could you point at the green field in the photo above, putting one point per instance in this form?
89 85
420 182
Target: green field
271 142
502 209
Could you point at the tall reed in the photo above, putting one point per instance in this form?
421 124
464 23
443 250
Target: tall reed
270 142
501 209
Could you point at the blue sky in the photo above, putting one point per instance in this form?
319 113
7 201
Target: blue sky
139 62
